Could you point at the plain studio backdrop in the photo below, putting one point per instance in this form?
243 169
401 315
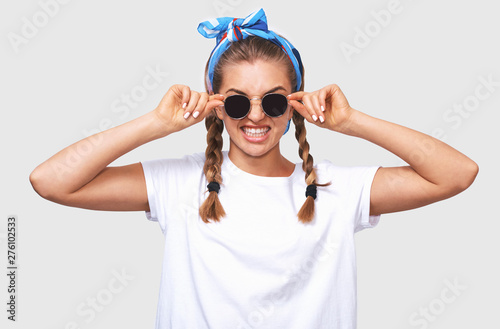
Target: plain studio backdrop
72 68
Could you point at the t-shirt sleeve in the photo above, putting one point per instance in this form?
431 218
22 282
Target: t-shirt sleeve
154 173
165 181
351 186
364 219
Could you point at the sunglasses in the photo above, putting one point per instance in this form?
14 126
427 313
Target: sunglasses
238 106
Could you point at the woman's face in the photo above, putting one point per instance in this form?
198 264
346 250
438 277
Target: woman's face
257 134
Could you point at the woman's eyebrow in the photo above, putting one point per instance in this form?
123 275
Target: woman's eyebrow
268 92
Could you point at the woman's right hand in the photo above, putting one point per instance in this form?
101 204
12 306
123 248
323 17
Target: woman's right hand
80 175
182 107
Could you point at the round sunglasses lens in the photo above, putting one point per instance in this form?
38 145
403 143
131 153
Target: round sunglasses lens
237 106
274 105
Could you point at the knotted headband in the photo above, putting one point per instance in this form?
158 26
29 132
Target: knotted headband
230 29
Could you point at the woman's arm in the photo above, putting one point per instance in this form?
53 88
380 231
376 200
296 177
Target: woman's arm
78 175
436 171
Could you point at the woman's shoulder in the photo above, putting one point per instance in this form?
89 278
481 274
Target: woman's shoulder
329 172
330 166
187 162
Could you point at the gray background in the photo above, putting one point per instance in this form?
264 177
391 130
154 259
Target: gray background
63 81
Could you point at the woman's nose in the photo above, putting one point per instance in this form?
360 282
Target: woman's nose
256 113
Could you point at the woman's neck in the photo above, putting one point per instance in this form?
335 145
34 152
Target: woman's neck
270 164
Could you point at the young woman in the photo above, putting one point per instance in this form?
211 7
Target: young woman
253 240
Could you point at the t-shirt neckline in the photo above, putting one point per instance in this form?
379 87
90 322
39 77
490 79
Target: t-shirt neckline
228 164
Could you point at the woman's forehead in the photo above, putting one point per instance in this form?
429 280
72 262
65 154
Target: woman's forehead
256 78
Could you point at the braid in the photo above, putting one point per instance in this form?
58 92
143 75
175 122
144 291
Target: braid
247 50
211 207
306 213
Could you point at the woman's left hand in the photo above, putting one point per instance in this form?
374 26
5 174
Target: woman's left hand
327 107
436 171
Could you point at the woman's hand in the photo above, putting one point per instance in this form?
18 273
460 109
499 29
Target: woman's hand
436 171
80 175
182 107
327 107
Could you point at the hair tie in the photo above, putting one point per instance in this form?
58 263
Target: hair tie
311 191
213 187
230 29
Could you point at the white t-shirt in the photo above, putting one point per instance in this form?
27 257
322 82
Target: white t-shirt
259 267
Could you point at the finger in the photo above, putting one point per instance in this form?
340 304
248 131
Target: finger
200 106
214 101
217 96
323 93
193 100
186 94
298 106
212 104
297 95
311 115
316 108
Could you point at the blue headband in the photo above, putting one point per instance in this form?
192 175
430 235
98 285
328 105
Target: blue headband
229 29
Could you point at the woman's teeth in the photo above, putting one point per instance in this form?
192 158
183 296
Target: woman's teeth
255 132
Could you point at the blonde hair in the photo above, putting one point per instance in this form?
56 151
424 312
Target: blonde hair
250 50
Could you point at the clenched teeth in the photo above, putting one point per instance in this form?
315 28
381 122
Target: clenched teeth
255 132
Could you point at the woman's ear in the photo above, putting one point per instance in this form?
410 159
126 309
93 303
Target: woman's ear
290 111
217 109
218 112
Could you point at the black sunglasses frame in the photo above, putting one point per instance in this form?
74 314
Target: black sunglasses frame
263 105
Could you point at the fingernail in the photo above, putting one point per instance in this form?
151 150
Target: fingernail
315 118
322 108
184 106
195 114
321 119
186 115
